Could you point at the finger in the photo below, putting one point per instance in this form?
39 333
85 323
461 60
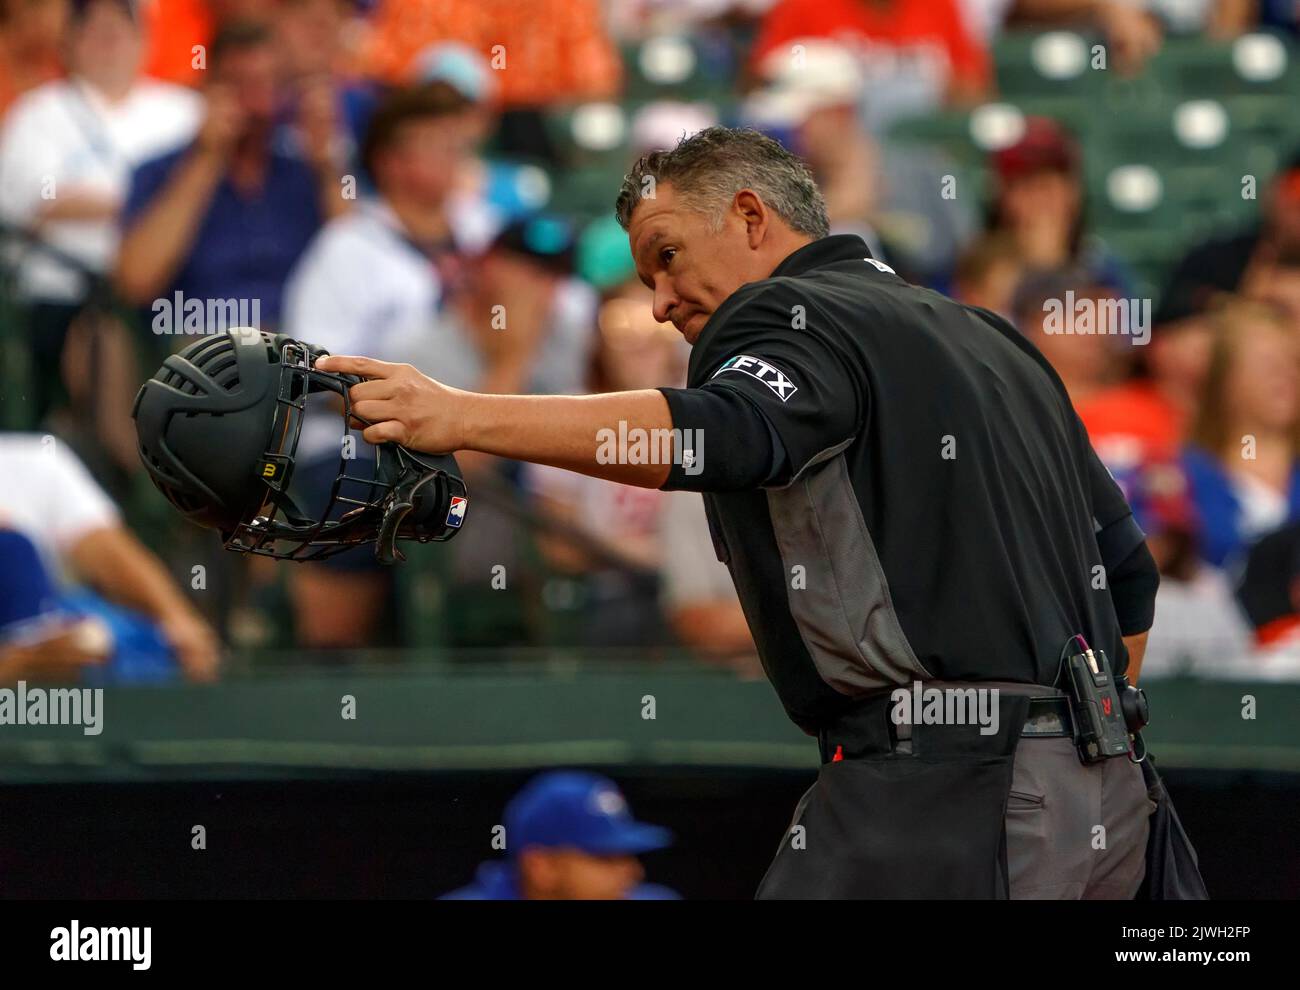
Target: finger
389 431
373 411
370 389
363 366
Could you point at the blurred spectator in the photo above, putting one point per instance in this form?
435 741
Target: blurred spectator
621 584
1132 31
1044 306
66 156
323 103
569 836
1242 462
1246 262
1038 201
816 97
376 281
1198 623
1270 586
987 274
40 641
1149 416
227 216
918 54
543 51
883 193
181 31
30 35
697 592
1269 591
50 499
1279 14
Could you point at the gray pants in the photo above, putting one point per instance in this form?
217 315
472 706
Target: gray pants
1073 831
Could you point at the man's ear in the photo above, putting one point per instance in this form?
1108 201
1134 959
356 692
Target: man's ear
754 212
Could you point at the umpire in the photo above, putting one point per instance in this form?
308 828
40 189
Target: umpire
907 503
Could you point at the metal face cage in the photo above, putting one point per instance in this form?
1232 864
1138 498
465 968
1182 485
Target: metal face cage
401 495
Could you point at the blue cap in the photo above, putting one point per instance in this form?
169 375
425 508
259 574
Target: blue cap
574 810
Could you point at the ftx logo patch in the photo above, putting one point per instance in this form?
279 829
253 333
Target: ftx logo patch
773 378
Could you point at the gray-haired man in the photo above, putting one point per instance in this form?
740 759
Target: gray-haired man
903 494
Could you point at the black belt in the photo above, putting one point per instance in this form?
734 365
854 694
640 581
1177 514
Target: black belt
1048 717
867 727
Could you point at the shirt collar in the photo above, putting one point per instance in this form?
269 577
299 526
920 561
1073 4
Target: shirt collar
827 251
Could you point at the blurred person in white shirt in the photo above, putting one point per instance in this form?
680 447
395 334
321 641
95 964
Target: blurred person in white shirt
395 277
66 155
77 534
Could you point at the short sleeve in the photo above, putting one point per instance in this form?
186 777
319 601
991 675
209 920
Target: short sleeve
773 353
75 505
147 180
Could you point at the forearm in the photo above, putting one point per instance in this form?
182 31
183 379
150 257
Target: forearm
117 565
79 205
580 433
153 248
1137 648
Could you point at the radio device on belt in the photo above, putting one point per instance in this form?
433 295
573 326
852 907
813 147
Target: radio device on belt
1106 710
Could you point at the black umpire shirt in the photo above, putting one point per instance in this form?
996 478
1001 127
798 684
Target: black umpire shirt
900 487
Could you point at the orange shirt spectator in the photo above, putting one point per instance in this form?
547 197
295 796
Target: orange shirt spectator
553 50
911 27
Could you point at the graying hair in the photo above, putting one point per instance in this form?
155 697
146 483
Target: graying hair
710 167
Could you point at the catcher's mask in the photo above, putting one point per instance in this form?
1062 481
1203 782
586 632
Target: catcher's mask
218 427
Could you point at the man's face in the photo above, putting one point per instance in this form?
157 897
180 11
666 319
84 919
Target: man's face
570 875
106 40
691 267
426 158
253 75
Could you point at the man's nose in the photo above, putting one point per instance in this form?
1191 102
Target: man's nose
665 300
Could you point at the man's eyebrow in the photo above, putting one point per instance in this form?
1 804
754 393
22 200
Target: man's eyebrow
655 238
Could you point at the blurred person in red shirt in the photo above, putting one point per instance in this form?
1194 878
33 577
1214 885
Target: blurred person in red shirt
1149 415
1083 354
919 54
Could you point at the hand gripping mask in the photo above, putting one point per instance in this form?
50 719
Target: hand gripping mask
218 429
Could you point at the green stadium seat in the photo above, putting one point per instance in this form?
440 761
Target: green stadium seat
1254 64
679 67
1044 65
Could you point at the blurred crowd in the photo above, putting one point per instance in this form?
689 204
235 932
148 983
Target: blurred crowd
387 177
